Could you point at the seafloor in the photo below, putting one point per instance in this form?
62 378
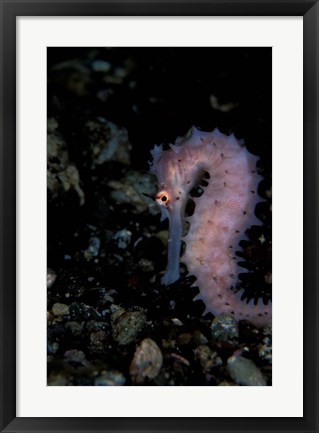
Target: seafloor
110 321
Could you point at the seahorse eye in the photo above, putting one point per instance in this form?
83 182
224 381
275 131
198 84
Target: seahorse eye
163 198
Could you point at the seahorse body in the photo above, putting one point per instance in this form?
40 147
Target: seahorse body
222 214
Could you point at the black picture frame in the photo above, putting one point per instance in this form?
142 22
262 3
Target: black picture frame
10 9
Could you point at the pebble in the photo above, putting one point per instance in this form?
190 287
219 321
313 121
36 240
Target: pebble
108 142
207 357
75 328
56 379
180 359
116 311
74 355
224 328
110 378
98 341
199 337
267 330
53 347
147 361
244 372
93 248
176 321
123 238
62 176
184 339
56 332
163 236
168 343
131 189
265 352
81 311
127 326
94 325
146 265
101 66
51 277
265 349
60 309
120 72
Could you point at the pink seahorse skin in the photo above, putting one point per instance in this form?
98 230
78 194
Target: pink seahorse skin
222 215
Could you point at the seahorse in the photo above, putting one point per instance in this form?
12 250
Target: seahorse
222 215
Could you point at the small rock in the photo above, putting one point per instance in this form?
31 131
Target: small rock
163 236
265 352
147 361
93 248
110 378
56 332
60 309
51 277
127 326
132 189
81 311
116 311
199 337
267 330
74 355
98 341
53 347
168 344
50 317
224 108
120 72
107 141
265 349
207 357
224 328
172 305
123 238
180 359
101 66
176 321
57 379
146 265
184 339
73 74
244 372
94 325
268 278
75 328
62 176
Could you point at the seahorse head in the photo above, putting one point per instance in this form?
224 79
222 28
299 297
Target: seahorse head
169 171
177 170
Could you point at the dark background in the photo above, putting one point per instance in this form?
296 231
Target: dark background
181 80
157 95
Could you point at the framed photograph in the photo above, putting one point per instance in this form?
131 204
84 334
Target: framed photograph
159 216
